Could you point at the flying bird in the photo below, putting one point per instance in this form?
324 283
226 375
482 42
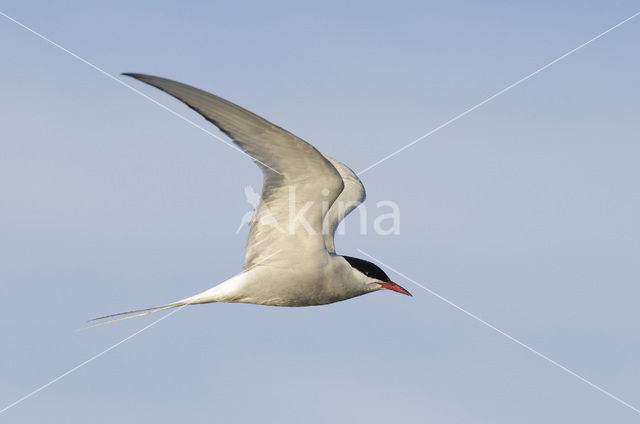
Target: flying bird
288 261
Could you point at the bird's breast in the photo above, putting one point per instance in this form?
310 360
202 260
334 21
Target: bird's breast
295 286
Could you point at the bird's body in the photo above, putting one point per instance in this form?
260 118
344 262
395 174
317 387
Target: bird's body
325 282
290 257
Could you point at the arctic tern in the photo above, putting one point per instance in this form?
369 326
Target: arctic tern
288 262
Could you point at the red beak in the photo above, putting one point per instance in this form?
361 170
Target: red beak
395 287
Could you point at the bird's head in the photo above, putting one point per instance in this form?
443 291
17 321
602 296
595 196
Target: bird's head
374 277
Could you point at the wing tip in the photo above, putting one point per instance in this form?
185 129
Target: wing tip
135 75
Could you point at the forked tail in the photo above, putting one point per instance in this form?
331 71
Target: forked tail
134 314
207 296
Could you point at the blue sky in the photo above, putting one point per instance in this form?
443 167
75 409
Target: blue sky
524 212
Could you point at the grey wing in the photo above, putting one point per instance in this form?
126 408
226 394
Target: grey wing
296 177
350 198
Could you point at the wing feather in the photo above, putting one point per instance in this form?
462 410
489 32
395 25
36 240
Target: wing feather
296 177
350 198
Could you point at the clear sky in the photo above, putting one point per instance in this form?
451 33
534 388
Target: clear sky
525 212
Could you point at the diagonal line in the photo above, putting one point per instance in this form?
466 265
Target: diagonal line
82 364
513 339
504 90
77 367
105 73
